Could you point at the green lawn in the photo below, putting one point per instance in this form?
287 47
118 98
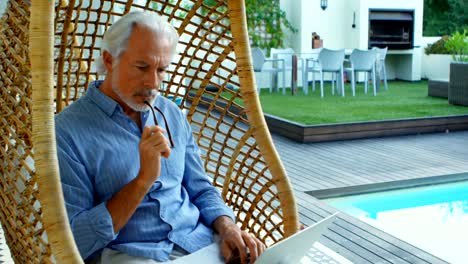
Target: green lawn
402 100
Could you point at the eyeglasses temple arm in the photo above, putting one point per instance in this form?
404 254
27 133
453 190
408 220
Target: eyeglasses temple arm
167 126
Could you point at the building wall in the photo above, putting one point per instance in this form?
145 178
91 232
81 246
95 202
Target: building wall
293 14
329 24
434 66
334 25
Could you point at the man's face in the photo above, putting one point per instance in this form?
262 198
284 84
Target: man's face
140 69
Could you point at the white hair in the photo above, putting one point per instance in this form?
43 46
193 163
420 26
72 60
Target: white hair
115 39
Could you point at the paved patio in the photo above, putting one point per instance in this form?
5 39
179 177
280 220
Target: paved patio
322 166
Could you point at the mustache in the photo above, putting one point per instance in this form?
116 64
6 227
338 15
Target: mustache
146 92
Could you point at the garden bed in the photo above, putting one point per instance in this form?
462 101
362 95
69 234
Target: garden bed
357 130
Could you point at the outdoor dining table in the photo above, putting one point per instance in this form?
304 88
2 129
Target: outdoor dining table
294 74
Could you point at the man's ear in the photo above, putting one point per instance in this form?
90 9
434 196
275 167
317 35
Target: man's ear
107 60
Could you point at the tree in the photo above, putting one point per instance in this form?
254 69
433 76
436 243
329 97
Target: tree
443 17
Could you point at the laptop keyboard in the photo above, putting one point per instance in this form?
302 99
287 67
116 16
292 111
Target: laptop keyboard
323 255
316 256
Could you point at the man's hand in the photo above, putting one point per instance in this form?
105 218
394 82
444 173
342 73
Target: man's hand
123 204
232 240
153 145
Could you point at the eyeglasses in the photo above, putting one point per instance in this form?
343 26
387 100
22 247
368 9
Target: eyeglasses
165 121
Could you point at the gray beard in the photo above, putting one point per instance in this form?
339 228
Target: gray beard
128 100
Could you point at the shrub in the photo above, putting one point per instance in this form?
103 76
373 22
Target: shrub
457 45
437 47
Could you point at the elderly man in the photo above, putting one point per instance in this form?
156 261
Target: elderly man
135 190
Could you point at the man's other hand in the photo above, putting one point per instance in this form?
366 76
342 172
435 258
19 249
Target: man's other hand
235 241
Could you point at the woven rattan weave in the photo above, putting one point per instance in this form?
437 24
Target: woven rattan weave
47 55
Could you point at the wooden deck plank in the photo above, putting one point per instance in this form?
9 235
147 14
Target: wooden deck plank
348 163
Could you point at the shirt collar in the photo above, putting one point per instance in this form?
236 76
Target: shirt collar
107 104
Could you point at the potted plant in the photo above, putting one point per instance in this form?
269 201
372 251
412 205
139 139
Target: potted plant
457 45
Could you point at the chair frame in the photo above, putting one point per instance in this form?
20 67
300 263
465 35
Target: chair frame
354 70
317 67
305 58
286 55
381 55
250 173
259 58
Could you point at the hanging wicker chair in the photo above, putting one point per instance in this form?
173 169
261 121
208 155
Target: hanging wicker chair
46 63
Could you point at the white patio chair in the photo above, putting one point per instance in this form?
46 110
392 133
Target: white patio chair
307 60
286 55
380 65
327 61
274 66
362 61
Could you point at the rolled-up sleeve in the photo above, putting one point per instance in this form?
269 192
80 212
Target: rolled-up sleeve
200 189
91 224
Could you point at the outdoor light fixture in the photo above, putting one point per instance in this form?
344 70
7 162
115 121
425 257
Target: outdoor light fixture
323 4
354 20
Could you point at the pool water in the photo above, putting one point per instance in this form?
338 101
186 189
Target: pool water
433 218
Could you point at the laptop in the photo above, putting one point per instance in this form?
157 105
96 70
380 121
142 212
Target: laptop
288 251
295 247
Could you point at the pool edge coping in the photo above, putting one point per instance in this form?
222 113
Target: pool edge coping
387 186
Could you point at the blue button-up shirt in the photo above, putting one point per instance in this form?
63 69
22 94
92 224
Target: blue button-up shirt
98 153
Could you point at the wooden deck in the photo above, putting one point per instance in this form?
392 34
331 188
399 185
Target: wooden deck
322 166
318 166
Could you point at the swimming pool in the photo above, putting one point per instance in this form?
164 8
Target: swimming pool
433 218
